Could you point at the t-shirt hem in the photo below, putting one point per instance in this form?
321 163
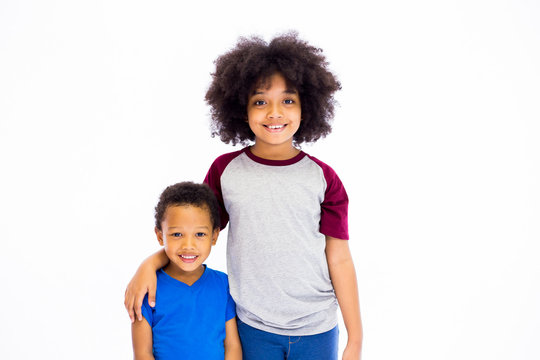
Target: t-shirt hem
303 331
341 236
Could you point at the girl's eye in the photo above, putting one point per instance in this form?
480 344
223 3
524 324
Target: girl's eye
288 101
259 102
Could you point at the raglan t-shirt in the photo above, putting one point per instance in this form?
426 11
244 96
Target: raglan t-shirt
279 212
188 322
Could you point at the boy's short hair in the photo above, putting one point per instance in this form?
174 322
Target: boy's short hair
249 64
188 193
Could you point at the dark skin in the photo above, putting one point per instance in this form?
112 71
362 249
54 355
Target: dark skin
241 73
274 114
304 68
186 230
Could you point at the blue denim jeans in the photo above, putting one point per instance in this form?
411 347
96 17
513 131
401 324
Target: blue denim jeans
262 345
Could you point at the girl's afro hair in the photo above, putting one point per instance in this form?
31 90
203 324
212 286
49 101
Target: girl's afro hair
249 64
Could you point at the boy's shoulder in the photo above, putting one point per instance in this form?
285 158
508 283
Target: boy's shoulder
217 274
217 279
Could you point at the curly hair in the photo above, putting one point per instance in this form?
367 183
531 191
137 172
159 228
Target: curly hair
188 193
251 62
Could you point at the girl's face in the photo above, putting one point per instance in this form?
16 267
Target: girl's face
274 115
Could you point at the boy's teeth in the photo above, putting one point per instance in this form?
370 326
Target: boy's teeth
188 256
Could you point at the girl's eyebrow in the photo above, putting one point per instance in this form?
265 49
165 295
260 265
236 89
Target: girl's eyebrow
260 92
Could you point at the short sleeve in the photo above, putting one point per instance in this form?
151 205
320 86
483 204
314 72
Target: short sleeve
335 206
213 180
147 311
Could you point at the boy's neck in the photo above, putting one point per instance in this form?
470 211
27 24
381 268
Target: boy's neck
285 152
188 278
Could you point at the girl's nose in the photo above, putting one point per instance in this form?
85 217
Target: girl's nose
275 112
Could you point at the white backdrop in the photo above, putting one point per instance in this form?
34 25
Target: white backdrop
436 139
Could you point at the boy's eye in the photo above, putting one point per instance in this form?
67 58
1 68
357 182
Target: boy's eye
176 234
200 234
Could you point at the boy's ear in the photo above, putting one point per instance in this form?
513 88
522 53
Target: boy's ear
215 235
159 235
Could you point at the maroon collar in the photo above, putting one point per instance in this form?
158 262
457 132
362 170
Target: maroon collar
260 160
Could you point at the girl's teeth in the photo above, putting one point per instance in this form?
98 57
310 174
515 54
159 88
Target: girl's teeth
275 126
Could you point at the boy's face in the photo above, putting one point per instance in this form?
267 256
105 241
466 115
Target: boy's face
188 237
274 112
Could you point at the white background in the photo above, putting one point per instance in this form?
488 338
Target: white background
436 139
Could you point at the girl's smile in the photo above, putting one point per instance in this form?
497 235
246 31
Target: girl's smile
275 128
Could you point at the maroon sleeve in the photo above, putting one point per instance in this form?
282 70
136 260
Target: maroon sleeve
213 180
335 206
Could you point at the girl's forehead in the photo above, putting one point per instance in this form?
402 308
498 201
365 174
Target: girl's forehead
266 82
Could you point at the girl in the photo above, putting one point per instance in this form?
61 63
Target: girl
288 258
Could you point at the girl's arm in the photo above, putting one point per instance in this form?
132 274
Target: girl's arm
141 334
233 348
343 276
144 282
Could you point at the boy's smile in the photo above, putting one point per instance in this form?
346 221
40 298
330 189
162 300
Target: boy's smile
188 237
274 115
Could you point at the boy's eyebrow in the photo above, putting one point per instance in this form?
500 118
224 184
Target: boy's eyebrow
197 227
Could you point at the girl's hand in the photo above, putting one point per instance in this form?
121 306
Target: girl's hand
352 352
144 282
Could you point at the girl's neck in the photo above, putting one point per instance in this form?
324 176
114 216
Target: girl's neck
285 152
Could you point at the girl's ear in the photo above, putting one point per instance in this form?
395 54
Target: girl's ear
215 235
159 235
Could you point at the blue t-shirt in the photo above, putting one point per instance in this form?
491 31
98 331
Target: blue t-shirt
188 322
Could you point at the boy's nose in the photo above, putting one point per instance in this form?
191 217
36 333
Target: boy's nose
188 243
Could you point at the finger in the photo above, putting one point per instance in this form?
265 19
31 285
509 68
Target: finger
131 314
137 305
152 295
128 304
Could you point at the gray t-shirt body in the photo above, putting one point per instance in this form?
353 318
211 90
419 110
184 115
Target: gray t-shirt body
279 213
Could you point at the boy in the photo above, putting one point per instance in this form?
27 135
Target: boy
194 315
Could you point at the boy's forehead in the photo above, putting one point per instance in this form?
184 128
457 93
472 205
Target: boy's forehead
187 207
182 216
